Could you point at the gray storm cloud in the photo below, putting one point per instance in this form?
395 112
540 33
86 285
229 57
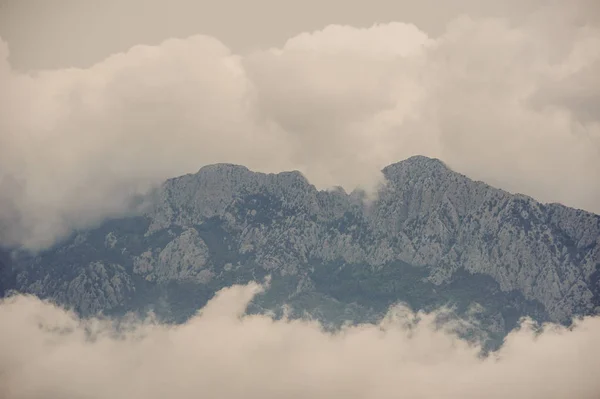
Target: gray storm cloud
50 353
510 103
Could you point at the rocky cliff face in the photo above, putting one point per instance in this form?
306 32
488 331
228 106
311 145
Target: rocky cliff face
5 273
546 252
431 237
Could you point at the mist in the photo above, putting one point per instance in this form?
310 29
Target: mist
511 102
48 352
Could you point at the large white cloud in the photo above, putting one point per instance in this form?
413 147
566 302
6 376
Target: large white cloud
49 353
76 144
511 103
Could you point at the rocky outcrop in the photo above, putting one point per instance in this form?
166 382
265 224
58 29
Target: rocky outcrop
432 235
92 288
182 259
547 252
426 215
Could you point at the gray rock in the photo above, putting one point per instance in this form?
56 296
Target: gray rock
431 236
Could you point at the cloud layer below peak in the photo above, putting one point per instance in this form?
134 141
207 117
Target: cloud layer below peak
50 353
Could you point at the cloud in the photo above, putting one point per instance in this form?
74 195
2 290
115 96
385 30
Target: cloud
50 353
76 145
510 102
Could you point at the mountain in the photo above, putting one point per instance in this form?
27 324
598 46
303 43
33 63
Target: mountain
432 237
6 281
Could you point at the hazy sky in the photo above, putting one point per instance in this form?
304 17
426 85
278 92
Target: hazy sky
503 91
75 33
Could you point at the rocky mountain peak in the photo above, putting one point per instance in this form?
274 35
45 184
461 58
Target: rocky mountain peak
416 168
223 170
231 174
430 227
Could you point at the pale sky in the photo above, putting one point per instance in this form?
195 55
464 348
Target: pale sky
506 92
79 33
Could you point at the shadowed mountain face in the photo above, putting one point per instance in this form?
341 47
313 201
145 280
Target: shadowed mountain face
432 237
6 276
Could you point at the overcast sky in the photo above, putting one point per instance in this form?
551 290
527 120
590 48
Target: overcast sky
75 33
503 91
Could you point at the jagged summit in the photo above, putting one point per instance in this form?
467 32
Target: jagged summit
430 230
420 161
228 170
415 172
221 167
414 167
417 166
415 163
422 181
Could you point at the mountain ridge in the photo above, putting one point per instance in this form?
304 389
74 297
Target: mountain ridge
419 170
429 229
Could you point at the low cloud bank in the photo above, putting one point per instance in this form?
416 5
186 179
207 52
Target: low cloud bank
510 102
48 353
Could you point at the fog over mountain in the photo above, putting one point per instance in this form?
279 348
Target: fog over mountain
431 238
508 100
374 200
49 353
